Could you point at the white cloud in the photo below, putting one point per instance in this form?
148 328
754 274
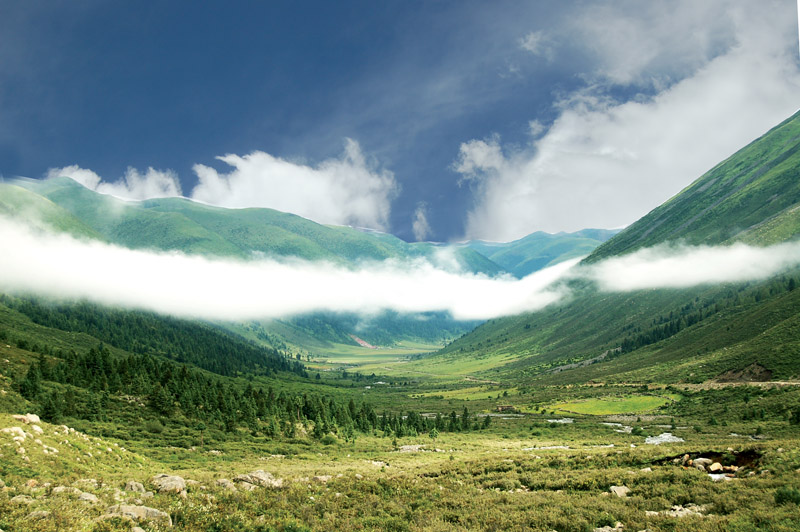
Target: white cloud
196 287
605 163
420 225
537 43
133 186
344 191
63 267
683 267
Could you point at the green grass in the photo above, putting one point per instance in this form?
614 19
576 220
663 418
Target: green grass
605 406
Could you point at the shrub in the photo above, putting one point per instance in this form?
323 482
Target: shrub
329 439
786 495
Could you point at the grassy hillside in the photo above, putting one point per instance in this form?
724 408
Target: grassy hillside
753 196
540 250
738 331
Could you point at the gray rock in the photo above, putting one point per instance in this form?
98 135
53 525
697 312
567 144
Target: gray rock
716 467
620 491
38 514
322 479
138 529
705 462
168 484
22 499
88 497
140 513
2 484
226 484
58 490
260 478
134 486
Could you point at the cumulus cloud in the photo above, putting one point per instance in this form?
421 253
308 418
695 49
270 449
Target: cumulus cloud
349 190
132 186
345 191
419 224
605 162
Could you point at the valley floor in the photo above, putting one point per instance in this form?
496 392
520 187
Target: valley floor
535 472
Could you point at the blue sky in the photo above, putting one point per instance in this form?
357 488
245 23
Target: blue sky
432 120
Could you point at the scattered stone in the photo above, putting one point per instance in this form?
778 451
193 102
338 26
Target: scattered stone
88 497
2 484
322 479
21 450
27 418
32 483
88 481
58 490
260 478
616 527
620 491
646 470
37 429
716 467
358 476
22 499
683 511
38 515
139 513
168 483
703 461
136 487
226 484
137 529
215 452
17 431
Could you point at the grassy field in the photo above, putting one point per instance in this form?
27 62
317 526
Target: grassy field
604 406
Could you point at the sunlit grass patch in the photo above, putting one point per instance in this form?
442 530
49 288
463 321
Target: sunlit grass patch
604 406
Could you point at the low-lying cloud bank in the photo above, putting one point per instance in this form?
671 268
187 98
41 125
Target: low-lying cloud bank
63 267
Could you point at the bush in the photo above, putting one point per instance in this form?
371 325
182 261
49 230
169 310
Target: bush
786 495
329 439
154 427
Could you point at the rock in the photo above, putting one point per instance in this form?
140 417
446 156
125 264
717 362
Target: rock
37 429
38 514
88 497
32 483
134 486
703 461
646 470
358 476
140 513
137 529
260 478
27 418
716 467
2 484
168 484
88 481
700 467
247 486
58 490
22 499
620 491
226 484
322 479
616 527
685 511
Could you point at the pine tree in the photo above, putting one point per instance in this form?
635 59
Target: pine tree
31 386
51 409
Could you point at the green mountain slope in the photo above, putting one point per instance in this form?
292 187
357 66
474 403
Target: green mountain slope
670 335
753 196
540 250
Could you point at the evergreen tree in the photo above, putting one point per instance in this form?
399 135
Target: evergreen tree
31 385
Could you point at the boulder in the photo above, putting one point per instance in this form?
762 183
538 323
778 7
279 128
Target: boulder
705 462
260 478
22 499
620 491
168 484
226 484
2 484
134 486
140 513
88 497
28 418
322 479
38 514
58 490
716 467
16 431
